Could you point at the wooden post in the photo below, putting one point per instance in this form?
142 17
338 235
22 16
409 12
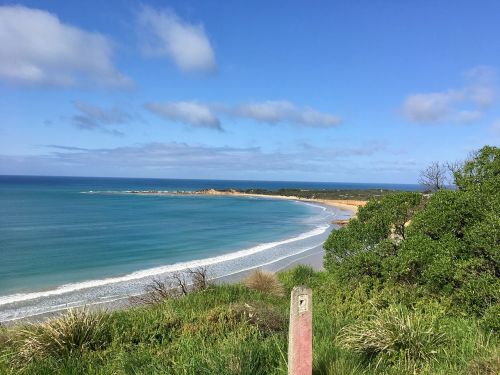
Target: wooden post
300 332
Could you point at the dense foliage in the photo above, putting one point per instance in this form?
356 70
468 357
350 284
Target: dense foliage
340 194
446 245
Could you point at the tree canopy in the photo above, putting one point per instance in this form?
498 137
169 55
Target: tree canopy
446 245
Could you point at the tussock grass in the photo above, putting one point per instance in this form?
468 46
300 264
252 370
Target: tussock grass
265 282
396 335
68 334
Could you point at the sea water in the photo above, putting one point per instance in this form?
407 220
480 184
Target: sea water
61 246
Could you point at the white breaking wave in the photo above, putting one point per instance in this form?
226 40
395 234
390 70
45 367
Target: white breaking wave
68 288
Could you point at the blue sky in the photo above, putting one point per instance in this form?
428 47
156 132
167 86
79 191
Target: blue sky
370 91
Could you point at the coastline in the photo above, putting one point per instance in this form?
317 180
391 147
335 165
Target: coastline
343 204
312 256
350 205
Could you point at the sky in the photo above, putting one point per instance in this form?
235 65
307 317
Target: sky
340 91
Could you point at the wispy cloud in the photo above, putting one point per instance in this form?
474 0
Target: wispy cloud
38 49
463 105
197 114
92 117
282 111
163 33
174 159
189 113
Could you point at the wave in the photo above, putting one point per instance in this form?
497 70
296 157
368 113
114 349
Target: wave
73 287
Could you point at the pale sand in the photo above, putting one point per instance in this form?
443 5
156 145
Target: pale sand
347 204
344 204
350 205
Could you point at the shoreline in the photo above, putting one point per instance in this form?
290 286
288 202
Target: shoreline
312 256
344 204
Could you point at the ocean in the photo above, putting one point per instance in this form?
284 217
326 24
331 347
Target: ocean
62 247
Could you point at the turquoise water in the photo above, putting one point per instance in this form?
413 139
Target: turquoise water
60 246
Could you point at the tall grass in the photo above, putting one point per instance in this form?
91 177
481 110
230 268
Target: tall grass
396 335
230 329
73 332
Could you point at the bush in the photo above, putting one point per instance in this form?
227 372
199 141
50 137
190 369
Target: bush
446 212
396 335
477 287
72 333
300 275
265 282
423 261
481 172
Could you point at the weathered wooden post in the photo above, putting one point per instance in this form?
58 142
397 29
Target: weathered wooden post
300 332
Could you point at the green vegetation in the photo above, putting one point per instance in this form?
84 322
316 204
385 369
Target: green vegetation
340 194
411 287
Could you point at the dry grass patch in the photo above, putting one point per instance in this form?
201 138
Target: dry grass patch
265 282
265 317
488 366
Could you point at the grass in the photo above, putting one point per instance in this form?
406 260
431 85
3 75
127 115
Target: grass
265 282
231 329
396 335
74 332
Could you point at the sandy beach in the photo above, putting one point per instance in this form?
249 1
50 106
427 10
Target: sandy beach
347 204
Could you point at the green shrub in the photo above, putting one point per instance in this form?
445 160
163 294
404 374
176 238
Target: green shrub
446 212
300 275
482 240
361 266
477 287
481 172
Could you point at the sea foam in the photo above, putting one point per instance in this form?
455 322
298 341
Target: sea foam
68 288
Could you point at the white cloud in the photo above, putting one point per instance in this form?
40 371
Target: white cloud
464 105
198 114
165 34
189 113
282 111
431 107
36 48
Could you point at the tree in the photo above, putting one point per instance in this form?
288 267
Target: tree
481 171
450 249
434 177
